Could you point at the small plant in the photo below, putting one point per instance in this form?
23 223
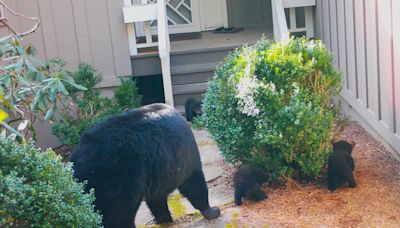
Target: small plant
90 108
198 123
38 190
269 105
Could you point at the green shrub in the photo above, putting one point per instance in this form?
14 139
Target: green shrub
92 108
29 89
269 105
38 190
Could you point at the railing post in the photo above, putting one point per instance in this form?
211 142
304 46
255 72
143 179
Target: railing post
279 20
130 28
164 51
309 21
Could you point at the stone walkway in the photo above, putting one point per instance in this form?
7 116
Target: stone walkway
219 195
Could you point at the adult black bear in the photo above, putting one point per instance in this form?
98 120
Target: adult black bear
341 165
247 183
192 109
144 153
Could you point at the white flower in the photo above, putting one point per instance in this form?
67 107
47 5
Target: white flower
271 87
296 89
246 89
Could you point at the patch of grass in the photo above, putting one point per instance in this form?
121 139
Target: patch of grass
175 205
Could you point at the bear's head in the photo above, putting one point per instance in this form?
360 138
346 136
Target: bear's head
344 145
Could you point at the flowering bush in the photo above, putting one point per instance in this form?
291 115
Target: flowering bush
269 105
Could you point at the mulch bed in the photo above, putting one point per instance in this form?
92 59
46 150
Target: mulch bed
375 202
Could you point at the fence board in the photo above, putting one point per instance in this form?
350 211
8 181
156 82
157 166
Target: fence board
350 47
318 19
360 51
326 24
333 30
372 59
385 62
341 33
396 61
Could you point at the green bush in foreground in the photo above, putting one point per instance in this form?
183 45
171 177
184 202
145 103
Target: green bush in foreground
269 105
38 190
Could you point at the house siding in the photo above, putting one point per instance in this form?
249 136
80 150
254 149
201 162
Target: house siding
364 36
90 31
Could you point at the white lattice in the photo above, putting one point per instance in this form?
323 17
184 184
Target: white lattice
179 12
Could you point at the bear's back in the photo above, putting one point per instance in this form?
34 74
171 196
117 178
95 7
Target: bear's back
153 142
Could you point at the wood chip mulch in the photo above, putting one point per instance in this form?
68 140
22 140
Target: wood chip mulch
375 202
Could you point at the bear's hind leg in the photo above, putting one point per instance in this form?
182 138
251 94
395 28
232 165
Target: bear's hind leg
159 208
195 189
238 198
256 194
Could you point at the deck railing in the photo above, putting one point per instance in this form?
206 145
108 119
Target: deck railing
147 12
281 29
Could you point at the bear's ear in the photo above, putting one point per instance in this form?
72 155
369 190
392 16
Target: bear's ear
352 143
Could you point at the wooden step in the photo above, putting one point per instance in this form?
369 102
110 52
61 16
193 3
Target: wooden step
193 73
193 68
189 88
180 109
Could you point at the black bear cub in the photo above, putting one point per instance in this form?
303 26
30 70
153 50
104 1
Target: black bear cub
247 183
341 165
145 153
192 109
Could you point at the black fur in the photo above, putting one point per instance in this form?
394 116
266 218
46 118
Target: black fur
144 153
341 165
192 109
247 183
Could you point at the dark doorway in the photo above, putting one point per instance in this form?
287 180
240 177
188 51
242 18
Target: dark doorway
151 87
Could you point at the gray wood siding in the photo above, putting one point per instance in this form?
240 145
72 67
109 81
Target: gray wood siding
90 31
364 36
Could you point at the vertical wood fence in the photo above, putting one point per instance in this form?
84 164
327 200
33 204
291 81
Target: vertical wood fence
365 38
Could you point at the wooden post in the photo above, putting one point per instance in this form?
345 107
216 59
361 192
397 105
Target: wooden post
164 51
130 28
279 20
309 21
